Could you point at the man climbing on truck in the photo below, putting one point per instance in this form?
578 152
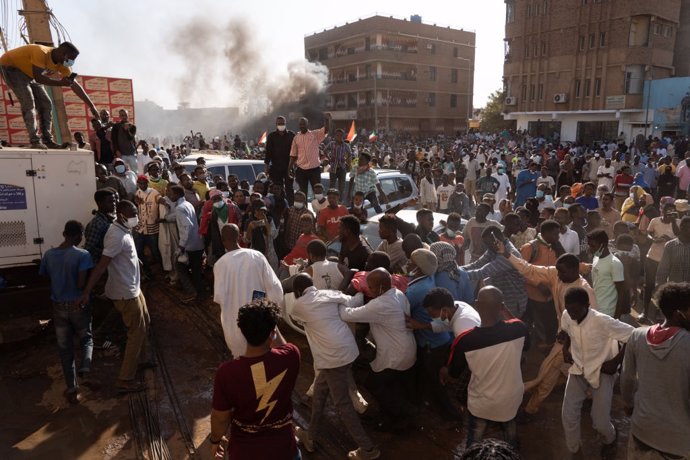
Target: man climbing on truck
26 70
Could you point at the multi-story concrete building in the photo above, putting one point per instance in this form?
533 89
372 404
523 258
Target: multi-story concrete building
578 67
394 74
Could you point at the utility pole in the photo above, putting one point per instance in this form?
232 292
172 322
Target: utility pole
37 17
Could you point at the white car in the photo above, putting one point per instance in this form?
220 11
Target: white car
219 166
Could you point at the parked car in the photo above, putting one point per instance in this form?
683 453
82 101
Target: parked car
243 169
397 186
369 232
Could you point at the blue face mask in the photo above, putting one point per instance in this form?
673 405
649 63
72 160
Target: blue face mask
68 62
540 194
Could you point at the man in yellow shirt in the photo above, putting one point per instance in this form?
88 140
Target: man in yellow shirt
26 69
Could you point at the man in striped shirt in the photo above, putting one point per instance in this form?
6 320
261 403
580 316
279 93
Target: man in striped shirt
675 261
340 158
305 153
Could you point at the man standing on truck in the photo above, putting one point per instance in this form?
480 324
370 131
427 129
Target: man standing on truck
26 70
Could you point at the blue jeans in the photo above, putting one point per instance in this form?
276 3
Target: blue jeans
68 323
476 427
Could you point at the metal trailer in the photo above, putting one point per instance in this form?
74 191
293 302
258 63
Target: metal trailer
40 190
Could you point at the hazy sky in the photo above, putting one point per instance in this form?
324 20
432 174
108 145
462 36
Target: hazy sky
131 39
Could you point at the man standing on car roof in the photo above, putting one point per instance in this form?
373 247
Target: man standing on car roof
278 144
305 154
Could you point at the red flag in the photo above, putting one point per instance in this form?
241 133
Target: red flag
262 140
352 134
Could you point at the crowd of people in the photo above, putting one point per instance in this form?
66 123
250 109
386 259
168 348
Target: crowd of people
567 248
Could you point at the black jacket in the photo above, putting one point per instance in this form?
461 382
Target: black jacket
278 149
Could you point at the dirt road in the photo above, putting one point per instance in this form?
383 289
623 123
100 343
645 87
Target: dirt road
171 420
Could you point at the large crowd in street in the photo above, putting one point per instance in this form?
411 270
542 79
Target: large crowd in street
581 251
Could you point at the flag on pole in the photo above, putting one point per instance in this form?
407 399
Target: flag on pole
373 137
352 134
262 139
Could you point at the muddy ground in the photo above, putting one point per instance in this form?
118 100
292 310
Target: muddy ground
171 420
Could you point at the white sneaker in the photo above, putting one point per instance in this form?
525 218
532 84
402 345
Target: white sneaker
359 402
361 454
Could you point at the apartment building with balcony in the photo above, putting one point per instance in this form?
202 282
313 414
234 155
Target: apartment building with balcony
393 74
576 69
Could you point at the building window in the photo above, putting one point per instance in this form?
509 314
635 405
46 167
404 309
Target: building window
544 7
602 39
432 48
432 73
531 92
634 79
453 100
668 31
582 42
658 28
597 87
543 48
577 88
455 51
524 92
526 50
529 9
592 40
432 99
535 49
453 75
587 87
510 12
541 91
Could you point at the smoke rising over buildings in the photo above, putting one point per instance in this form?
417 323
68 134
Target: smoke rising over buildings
223 65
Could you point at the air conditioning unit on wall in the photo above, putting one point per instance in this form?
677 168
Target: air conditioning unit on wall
510 100
560 98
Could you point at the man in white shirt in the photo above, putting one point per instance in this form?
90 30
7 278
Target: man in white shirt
447 314
607 276
396 349
594 163
427 190
444 192
606 173
504 181
546 179
492 352
190 245
568 237
594 352
120 259
240 276
391 243
334 350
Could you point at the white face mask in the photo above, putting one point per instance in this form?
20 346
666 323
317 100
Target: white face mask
299 205
132 222
226 194
450 233
318 196
280 127
218 204
357 206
